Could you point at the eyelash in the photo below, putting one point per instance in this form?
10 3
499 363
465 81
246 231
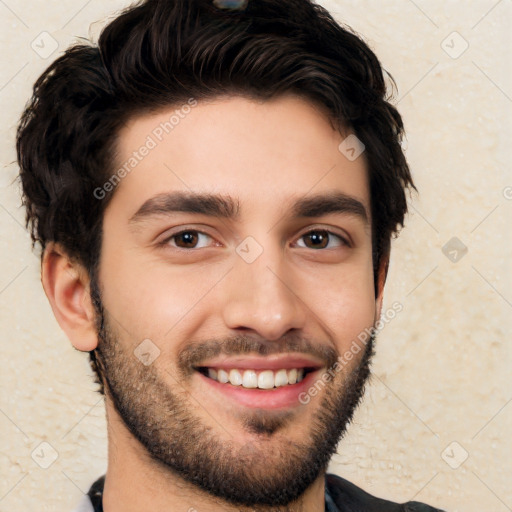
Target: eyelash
166 241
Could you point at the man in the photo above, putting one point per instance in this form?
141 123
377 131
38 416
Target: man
214 187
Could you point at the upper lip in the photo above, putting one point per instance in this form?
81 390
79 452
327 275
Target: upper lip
276 362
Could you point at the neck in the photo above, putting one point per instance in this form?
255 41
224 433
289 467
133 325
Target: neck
135 482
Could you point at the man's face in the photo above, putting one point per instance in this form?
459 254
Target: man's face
264 290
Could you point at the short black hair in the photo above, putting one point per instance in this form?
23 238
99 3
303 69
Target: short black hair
160 53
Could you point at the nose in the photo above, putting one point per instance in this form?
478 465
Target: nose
263 297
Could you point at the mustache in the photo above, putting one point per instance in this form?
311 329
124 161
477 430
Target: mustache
194 354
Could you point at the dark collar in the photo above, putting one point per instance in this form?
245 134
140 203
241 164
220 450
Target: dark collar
340 496
96 493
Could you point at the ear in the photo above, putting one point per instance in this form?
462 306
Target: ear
66 284
381 281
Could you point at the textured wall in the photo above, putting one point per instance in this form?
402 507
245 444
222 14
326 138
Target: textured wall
441 389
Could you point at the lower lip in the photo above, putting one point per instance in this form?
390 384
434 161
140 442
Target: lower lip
281 397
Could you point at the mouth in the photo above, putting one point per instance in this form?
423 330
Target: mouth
266 383
254 378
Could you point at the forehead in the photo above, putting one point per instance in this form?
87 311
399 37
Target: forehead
262 153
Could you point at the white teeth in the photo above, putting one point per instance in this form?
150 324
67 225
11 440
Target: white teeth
222 376
281 378
266 379
250 379
235 377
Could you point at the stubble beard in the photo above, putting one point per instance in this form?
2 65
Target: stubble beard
262 475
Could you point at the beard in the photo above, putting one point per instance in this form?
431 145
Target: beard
267 474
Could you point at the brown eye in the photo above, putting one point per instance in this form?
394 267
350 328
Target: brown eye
187 239
320 239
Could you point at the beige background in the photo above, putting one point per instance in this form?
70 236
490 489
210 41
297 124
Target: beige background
442 385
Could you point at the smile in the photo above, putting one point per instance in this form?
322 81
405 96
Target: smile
260 379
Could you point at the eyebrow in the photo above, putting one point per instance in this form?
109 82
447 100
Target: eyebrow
224 206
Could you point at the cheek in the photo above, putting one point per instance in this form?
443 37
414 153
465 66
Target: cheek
151 300
346 305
